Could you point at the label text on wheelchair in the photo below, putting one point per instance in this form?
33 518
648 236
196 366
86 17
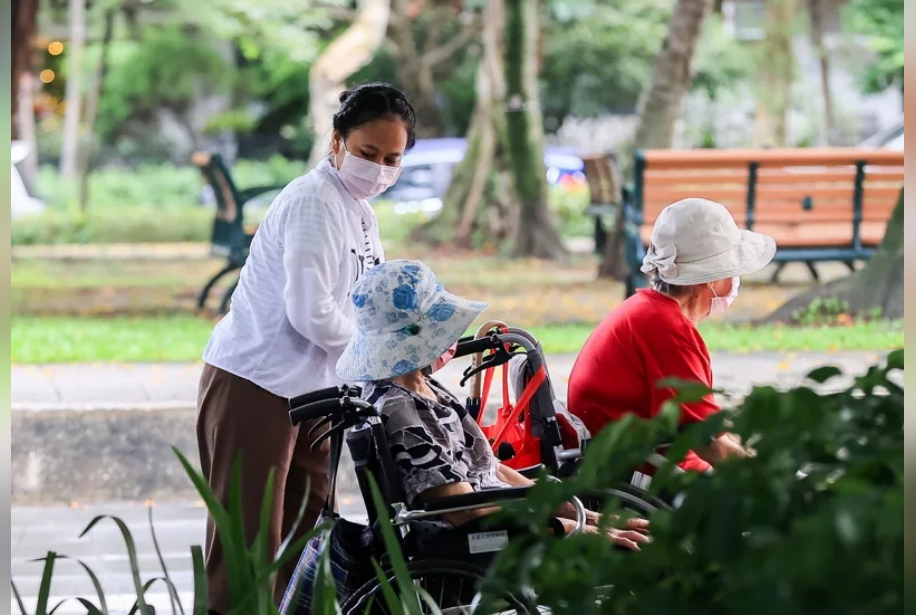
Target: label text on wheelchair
488 542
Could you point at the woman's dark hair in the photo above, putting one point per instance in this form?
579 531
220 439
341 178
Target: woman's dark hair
374 101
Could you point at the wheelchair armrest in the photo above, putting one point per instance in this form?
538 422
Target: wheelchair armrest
478 499
532 472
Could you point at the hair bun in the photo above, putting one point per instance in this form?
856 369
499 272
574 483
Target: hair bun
344 96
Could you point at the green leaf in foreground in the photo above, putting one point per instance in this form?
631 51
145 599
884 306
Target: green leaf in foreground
393 547
201 584
177 608
18 597
131 557
822 374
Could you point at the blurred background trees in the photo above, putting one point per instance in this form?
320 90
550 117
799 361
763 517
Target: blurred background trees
119 83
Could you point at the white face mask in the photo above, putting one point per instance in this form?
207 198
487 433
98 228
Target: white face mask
720 305
365 179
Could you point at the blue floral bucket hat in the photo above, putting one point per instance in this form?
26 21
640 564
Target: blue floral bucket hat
405 320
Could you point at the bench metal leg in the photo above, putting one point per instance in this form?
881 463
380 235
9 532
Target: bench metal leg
813 269
776 274
851 265
208 287
227 299
600 236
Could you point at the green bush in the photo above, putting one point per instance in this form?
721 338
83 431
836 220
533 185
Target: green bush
105 226
751 539
569 207
754 538
163 187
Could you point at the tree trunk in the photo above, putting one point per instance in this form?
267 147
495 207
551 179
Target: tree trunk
92 108
416 66
536 234
347 54
477 203
816 10
660 108
776 71
878 288
23 18
69 158
26 125
671 76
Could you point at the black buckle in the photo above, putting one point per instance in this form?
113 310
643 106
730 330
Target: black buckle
500 356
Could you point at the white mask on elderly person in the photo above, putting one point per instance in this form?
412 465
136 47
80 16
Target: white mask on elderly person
719 304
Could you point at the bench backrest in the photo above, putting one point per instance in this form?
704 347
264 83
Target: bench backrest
804 198
228 235
603 179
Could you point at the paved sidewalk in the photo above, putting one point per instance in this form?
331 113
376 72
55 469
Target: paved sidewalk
170 386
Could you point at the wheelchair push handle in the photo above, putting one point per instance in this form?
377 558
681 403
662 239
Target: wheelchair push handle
345 390
328 407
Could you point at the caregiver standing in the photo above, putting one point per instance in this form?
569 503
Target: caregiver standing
291 319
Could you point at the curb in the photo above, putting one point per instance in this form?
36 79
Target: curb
151 406
107 452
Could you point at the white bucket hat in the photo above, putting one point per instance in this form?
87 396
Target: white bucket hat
696 241
405 320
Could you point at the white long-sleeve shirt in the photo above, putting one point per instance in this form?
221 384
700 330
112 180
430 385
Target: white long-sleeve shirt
291 316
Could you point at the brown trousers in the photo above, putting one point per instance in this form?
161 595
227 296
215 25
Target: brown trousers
238 418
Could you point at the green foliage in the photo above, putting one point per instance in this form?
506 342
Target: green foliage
179 337
822 311
163 70
106 226
161 186
754 537
831 311
569 207
146 204
882 23
251 568
722 63
598 56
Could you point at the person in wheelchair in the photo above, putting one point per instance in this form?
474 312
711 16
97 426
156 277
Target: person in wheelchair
406 323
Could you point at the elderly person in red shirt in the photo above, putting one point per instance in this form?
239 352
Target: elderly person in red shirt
695 262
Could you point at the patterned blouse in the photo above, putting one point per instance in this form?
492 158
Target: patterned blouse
433 443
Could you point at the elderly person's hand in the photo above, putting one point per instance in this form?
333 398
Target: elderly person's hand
628 539
724 448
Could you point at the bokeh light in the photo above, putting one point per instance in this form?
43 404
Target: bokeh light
56 48
47 75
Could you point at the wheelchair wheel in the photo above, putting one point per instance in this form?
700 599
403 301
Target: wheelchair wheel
454 587
629 497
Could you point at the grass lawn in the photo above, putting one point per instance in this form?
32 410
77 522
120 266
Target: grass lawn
182 338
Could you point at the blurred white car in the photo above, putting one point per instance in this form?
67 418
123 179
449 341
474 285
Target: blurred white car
21 202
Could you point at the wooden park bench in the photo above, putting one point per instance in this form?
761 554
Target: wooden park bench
231 237
819 204
605 187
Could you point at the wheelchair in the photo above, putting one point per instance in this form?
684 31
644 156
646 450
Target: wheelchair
527 435
448 565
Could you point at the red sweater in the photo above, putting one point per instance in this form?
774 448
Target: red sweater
645 340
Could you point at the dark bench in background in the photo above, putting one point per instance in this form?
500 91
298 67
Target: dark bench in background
605 187
231 238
